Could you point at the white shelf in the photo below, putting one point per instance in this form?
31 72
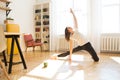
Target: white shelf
42 23
5 7
5 1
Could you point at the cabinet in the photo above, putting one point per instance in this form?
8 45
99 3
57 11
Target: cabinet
12 28
42 23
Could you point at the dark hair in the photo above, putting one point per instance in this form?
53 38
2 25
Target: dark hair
67 34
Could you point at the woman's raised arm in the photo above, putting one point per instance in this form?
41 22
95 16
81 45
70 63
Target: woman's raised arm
75 19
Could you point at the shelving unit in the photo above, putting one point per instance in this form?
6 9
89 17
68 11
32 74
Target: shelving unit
42 25
5 7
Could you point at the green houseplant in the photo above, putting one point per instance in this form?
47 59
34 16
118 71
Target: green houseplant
8 20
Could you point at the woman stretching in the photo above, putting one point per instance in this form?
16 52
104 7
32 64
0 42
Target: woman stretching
73 35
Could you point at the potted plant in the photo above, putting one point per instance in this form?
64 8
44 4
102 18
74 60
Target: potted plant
9 20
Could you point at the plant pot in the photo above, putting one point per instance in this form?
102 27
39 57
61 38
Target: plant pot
8 21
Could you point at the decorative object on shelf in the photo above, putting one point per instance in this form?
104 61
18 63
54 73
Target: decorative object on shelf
37 10
38 23
38 40
46 22
45 16
9 20
37 17
37 30
45 9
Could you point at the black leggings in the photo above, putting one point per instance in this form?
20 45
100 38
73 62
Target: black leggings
86 47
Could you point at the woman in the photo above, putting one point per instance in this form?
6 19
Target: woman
73 35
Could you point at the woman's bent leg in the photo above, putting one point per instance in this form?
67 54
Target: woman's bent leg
88 47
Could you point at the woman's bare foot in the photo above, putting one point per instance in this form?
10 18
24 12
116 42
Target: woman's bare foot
54 57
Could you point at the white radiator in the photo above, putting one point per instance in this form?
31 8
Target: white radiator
110 43
64 45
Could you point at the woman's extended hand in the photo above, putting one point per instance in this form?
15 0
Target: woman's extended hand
70 58
71 10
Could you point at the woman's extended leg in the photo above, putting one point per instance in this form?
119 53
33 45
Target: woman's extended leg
86 47
78 48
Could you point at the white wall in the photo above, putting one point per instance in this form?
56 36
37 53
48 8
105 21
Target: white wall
41 0
22 12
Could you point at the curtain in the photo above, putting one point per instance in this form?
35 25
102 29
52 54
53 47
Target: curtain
60 18
88 13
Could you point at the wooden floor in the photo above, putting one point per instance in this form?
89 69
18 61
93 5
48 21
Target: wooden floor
82 67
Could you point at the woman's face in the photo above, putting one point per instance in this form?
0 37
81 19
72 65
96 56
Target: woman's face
70 29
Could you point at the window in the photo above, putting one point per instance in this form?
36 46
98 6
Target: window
80 7
64 17
110 16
